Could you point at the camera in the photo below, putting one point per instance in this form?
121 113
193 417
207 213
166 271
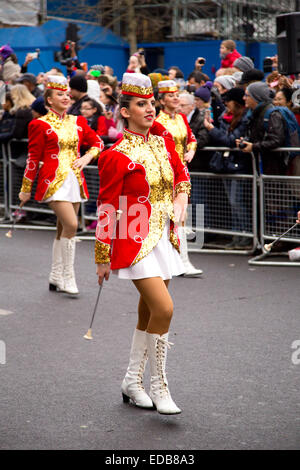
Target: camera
242 145
268 65
64 55
36 54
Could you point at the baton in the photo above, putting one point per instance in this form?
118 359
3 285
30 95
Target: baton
88 334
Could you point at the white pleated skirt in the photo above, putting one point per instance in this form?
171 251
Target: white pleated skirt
163 261
69 191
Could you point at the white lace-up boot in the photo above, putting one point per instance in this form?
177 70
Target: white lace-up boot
159 392
190 270
68 256
56 280
132 385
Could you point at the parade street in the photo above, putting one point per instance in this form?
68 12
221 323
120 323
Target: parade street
234 369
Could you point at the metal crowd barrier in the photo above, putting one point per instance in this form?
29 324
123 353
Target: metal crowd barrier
279 202
16 167
3 184
263 207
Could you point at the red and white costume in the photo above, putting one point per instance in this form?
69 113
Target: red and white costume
53 146
140 176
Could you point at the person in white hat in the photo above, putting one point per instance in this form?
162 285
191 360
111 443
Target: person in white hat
186 144
54 159
142 176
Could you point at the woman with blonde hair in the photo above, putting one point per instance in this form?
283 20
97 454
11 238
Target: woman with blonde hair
21 96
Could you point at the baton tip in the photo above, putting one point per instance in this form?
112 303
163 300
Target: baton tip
88 335
267 247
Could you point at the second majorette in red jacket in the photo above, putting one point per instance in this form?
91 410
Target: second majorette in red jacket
140 176
53 145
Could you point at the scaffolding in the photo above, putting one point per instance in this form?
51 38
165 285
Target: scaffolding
246 20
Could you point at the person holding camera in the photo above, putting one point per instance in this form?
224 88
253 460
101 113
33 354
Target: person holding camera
233 125
261 137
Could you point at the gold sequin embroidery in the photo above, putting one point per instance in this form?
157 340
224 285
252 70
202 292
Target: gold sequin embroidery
152 154
26 185
66 130
183 187
176 126
102 253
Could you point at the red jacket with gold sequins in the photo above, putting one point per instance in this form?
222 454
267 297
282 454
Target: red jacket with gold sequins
53 145
140 176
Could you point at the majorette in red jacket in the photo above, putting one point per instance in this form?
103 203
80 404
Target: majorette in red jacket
139 175
54 143
179 128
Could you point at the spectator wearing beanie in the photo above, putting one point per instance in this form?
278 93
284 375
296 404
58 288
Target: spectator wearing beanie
262 139
10 69
251 76
78 88
228 53
243 64
203 95
38 108
224 83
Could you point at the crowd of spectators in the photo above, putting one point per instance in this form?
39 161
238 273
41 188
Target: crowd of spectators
227 109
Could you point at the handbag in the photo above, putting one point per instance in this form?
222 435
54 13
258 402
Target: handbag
221 164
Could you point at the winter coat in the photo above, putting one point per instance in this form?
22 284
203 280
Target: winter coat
201 158
228 61
224 137
264 140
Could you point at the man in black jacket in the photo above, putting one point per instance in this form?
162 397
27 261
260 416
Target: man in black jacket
78 89
262 138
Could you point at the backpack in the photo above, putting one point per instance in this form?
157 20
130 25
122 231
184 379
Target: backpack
292 128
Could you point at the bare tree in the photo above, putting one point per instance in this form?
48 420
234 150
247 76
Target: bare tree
134 20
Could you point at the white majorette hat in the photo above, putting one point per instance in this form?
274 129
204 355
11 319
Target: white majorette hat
167 86
57 82
137 84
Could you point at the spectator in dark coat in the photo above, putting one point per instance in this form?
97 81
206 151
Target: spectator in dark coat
261 138
78 88
233 125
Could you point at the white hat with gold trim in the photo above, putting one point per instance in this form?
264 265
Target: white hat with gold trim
167 86
57 82
137 84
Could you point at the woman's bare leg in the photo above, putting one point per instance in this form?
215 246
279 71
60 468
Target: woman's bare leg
67 221
155 305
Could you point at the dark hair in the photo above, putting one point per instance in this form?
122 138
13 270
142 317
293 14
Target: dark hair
238 113
198 76
124 102
14 58
179 73
93 121
287 92
9 98
47 94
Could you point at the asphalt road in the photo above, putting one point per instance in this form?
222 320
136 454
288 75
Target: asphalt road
232 369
